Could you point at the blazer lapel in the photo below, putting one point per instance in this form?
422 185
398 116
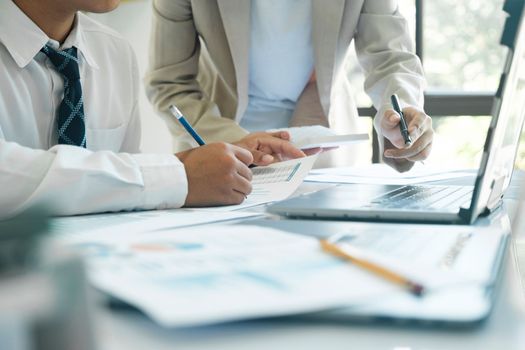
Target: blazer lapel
235 16
327 16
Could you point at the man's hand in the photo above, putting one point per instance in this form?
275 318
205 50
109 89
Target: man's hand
269 147
419 125
217 173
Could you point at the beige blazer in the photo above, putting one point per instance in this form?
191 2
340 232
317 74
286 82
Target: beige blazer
199 61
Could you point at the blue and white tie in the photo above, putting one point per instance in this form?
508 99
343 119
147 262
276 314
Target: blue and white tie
71 125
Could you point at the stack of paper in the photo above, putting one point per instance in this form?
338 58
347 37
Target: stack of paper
209 274
217 273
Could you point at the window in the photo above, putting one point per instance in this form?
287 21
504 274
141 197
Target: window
461 50
458 42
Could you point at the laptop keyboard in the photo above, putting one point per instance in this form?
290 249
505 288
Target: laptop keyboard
423 197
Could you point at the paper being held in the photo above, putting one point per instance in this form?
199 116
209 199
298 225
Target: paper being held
313 136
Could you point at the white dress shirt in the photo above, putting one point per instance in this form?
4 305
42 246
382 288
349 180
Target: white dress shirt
107 176
281 61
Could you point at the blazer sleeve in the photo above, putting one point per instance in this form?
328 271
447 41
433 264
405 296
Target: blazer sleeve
385 51
173 71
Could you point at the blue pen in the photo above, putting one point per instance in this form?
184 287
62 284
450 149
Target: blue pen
177 114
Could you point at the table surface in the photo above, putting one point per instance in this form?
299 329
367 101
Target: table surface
504 329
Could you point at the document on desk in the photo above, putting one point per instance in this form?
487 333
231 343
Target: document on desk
217 273
116 224
383 174
437 256
274 182
457 264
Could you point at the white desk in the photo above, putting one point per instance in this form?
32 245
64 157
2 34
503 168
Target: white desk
504 329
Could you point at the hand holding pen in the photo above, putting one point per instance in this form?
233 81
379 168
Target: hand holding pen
266 147
407 135
218 173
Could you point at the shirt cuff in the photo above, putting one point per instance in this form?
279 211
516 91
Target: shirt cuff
377 125
165 181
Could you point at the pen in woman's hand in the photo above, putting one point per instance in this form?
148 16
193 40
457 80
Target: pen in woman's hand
402 122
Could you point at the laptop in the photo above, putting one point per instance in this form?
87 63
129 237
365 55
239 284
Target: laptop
438 203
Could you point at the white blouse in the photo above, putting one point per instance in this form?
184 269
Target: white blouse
281 61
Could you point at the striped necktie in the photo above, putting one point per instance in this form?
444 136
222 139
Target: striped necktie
71 125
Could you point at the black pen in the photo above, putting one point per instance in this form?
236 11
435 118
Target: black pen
402 122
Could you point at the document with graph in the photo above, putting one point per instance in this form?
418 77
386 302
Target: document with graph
274 182
210 274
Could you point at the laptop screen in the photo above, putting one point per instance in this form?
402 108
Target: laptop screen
504 133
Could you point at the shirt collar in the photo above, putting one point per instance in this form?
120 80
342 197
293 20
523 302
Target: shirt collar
77 39
24 39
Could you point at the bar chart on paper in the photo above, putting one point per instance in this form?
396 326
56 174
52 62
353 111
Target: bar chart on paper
199 275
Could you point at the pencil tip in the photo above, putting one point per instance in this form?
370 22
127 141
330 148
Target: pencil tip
418 290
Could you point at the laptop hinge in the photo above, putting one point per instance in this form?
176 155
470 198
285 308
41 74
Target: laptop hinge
496 194
465 214
493 203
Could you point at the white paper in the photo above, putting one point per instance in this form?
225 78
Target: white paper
217 273
455 263
383 174
313 136
431 256
115 224
209 274
273 183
